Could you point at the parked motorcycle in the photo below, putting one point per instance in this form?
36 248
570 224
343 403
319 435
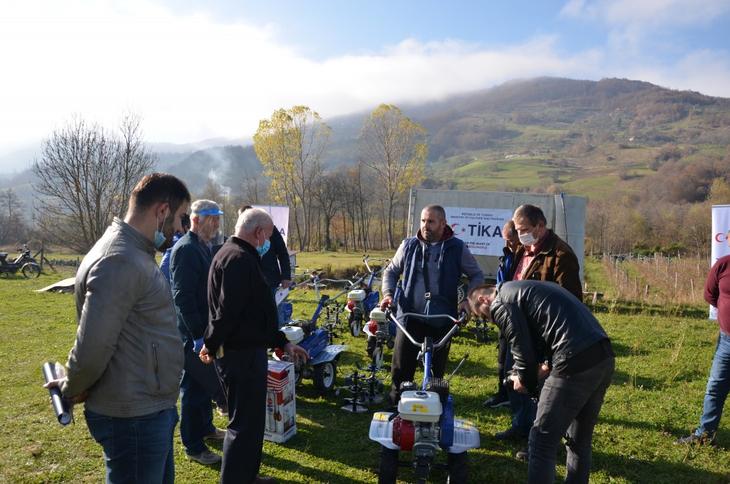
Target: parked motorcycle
25 263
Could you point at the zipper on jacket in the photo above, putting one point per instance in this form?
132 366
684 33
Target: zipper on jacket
157 366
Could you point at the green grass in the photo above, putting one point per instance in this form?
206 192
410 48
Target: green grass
656 396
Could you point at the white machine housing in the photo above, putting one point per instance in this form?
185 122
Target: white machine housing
377 315
356 295
294 334
420 406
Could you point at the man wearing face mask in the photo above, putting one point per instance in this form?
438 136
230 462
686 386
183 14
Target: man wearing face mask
431 264
189 266
544 256
242 324
127 358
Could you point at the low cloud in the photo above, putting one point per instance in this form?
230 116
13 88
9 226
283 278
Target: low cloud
192 77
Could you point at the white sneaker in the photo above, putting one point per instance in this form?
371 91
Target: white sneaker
206 457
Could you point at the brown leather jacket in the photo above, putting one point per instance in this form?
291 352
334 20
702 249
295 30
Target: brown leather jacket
555 262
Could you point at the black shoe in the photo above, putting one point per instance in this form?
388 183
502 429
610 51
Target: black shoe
511 433
496 401
694 439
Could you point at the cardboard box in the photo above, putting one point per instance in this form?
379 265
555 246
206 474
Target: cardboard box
281 411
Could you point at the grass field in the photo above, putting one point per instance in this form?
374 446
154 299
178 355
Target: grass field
656 396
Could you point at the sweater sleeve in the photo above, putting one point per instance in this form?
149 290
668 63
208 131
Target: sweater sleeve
712 285
393 271
226 285
470 267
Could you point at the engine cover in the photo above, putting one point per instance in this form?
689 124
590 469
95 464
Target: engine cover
356 295
377 315
420 406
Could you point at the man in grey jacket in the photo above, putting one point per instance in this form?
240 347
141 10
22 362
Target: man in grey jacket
431 264
539 320
128 357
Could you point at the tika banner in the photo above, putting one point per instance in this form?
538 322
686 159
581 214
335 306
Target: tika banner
280 215
479 228
720 238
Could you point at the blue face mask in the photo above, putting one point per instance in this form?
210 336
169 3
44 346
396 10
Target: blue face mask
160 239
263 248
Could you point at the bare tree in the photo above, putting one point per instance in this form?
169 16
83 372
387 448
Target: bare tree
395 148
85 176
328 194
12 226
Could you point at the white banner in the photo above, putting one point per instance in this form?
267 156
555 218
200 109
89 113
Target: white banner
280 215
720 238
479 228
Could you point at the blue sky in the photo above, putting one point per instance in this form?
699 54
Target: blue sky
195 70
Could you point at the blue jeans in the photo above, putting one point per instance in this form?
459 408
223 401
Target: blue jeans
137 450
568 406
523 407
718 386
196 413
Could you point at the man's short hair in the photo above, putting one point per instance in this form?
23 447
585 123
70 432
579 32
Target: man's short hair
251 219
530 213
243 209
436 209
509 228
204 208
159 188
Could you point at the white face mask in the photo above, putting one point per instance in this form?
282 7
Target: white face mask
527 239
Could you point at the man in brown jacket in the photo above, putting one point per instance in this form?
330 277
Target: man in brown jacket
544 256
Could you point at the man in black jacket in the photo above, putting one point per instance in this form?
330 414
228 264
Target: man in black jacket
275 262
242 325
542 319
189 265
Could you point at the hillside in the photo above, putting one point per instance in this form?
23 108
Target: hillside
599 138
581 137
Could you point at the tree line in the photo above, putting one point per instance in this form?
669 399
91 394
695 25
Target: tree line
86 172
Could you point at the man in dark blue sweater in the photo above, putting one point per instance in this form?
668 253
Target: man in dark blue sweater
189 265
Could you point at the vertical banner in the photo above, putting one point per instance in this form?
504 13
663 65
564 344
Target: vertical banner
720 238
280 215
479 228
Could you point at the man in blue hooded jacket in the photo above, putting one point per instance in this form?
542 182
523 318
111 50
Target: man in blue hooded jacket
431 265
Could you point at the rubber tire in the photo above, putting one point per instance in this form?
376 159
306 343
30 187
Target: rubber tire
458 468
30 270
422 470
321 375
388 471
355 325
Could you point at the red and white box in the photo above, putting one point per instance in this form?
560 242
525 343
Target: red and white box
281 409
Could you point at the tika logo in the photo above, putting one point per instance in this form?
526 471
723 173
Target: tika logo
721 237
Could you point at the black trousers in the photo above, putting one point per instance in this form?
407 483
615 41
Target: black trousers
502 349
404 362
243 373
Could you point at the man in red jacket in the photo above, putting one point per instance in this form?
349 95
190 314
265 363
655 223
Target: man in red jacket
717 293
